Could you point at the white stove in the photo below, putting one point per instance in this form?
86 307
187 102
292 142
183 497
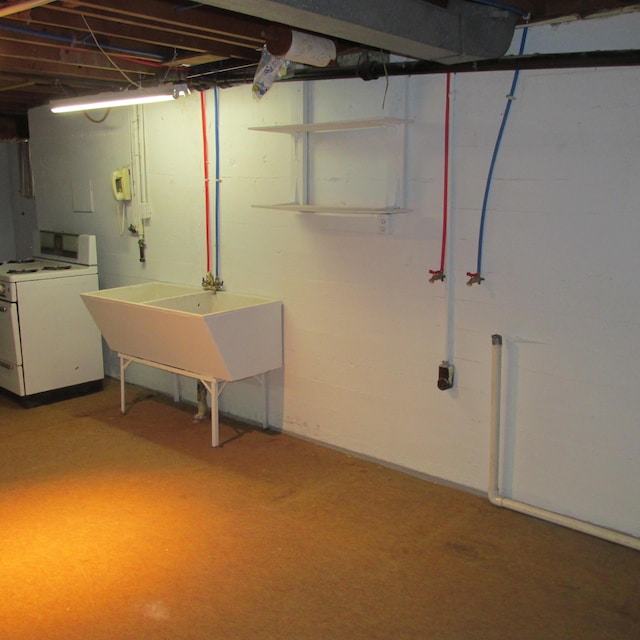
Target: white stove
50 347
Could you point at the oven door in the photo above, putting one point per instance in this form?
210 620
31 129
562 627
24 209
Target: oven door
10 352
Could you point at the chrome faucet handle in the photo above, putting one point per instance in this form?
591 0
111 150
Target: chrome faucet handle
212 283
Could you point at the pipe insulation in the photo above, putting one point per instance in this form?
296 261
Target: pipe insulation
494 469
301 47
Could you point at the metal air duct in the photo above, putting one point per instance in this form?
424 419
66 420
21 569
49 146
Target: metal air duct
461 31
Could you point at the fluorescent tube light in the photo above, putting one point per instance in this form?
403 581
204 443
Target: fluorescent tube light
120 98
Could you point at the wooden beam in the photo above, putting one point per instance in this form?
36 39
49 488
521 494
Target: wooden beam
53 53
203 19
17 7
66 69
131 34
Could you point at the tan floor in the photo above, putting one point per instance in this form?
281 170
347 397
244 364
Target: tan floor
133 527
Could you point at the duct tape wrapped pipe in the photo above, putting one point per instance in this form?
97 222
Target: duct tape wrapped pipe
301 47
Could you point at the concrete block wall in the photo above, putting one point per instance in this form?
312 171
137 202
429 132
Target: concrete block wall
365 332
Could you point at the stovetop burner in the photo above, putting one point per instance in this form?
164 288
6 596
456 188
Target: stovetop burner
56 267
21 261
21 270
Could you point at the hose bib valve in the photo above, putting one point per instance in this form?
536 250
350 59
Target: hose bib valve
474 278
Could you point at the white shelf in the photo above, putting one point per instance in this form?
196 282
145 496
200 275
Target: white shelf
333 209
346 125
391 131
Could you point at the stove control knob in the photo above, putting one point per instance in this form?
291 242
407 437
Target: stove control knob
3 288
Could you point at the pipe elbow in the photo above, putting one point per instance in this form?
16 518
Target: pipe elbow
495 498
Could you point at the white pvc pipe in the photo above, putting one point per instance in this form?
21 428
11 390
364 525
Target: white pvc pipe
494 469
496 401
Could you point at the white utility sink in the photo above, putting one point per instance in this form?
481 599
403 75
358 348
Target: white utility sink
226 336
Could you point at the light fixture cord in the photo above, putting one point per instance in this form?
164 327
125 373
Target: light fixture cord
108 57
97 120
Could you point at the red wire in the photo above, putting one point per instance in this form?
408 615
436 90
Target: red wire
445 203
207 203
148 63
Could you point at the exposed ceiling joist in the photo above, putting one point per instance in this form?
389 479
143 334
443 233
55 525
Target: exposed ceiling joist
60 48
14 7
142 31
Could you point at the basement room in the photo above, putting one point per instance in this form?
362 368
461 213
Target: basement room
317 319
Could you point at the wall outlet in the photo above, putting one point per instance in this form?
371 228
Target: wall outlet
445 376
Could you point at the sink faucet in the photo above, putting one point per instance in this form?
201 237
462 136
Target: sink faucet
212 283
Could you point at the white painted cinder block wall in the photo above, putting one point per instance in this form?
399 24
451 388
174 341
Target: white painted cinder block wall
364 329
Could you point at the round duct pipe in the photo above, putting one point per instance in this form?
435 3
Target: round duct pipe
300 47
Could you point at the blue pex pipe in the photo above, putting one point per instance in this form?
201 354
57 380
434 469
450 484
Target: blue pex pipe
496 149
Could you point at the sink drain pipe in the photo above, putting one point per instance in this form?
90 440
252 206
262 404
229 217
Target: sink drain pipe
494 469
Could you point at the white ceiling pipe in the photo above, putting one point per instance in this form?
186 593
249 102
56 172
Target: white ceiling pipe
17 7
494 469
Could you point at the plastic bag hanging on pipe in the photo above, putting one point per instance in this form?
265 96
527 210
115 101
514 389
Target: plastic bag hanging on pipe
270 68
300 47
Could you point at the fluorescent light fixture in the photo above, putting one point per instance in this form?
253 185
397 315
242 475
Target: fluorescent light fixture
120 98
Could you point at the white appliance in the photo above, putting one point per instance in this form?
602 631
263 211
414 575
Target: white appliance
50 348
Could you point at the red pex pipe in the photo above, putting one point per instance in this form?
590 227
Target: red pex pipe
439 274
207 199
445 199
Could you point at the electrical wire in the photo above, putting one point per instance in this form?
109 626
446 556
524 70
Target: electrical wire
108 57
476 278
121 216
97 120
240 67
146 63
